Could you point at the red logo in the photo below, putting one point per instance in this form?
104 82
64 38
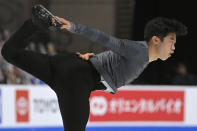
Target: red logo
132 105
22 106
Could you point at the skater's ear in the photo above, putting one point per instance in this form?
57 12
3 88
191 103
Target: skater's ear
156 40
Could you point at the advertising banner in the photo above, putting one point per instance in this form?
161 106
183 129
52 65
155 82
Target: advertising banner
137 105
136 108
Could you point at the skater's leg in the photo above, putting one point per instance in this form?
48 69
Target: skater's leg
32 62
74 89
74 107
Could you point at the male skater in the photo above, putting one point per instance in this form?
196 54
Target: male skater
73 78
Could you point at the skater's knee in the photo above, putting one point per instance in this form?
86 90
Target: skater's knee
8 53
4 52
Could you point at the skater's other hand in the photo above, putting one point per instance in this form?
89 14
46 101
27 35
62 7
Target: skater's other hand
66 24
53 22
86 56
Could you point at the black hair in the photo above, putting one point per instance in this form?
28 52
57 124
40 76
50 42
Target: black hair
161 27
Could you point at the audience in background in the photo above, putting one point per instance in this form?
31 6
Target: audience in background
183 77
10 74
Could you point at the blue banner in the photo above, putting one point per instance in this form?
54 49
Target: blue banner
144 128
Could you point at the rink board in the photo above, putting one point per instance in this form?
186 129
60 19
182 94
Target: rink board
136 108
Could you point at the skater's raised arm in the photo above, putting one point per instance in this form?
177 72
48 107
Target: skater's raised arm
98 36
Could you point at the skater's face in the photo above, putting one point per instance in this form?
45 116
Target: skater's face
166 47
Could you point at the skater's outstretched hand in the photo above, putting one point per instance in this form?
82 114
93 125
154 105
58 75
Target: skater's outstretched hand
86 56
66 24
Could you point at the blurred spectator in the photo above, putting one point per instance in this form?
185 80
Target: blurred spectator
51 49
183 77
31 80
10 74
14 75
3 76
7 34
41 48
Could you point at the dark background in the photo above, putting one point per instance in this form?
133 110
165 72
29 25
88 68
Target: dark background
121 18
185 11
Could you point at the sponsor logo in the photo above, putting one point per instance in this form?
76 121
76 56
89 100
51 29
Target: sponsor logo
47 106
0 107
137 106
98 105
22 106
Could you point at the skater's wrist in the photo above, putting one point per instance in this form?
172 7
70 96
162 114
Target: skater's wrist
72 28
